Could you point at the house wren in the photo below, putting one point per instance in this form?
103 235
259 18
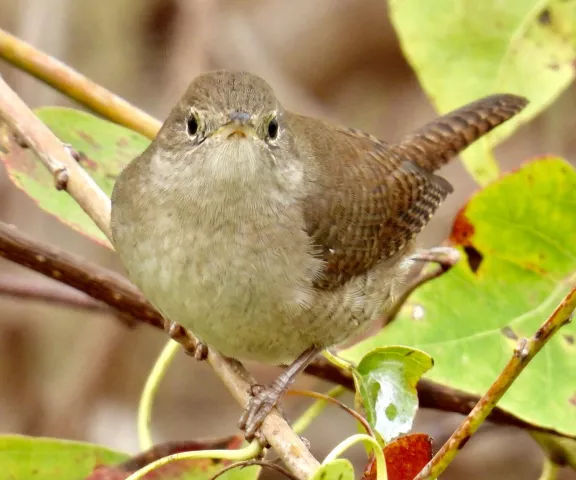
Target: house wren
272 235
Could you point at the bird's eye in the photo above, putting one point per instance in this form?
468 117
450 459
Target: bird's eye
192 124
273 128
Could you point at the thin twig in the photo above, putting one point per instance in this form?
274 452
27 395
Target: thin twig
170 448
330 399
74 85
56 293
98 282
524 352
261 463
155 377
550 470
96 204
445 257
249 452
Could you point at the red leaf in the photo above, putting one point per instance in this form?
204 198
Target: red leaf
405 457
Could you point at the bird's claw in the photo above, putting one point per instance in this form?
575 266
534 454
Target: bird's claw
262 401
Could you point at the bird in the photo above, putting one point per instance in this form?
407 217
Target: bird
271 235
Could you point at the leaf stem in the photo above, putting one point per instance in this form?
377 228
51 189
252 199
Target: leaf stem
260 463
247 453
524 352
550 470
303 422
381 473
337 361
444 257
150 389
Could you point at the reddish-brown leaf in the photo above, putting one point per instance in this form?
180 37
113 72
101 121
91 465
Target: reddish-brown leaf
405 457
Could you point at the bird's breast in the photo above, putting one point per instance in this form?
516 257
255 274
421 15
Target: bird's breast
233 272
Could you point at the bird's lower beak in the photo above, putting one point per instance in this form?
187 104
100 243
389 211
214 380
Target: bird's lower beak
235 130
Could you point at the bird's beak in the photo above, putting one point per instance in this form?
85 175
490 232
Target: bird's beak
235 129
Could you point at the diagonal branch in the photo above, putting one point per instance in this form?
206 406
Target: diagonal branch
444 257
68 174
56 294
525 351
72 178
100 283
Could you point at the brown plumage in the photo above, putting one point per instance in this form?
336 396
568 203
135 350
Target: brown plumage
374 197
272 235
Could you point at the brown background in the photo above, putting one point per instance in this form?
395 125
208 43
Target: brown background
76 375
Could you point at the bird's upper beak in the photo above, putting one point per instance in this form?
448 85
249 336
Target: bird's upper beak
238 127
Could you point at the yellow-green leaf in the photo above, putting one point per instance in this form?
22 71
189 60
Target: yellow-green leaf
49 459
462 50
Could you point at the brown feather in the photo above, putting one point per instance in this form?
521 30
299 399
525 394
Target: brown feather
434 144
370 199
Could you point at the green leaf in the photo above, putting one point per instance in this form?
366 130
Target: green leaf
519 237
339 469
105 146
46 458
462 50
386 379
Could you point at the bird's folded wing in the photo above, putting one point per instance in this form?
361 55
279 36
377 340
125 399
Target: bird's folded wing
368 204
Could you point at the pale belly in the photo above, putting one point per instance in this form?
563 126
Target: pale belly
249 300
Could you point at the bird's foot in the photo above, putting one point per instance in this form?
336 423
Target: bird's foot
194 348
263 400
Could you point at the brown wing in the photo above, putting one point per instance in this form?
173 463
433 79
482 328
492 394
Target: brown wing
367 202
368 199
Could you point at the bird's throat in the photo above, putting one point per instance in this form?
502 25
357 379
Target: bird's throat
235 160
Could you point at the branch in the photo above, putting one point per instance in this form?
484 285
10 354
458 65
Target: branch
56 294
72 178
68 174
74 85
445 257
99 283
526 349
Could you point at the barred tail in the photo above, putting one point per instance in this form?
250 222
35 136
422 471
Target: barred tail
437 142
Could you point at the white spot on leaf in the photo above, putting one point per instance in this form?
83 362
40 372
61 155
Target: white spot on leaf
395 405
418 312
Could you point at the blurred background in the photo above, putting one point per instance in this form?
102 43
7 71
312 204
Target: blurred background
78 375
